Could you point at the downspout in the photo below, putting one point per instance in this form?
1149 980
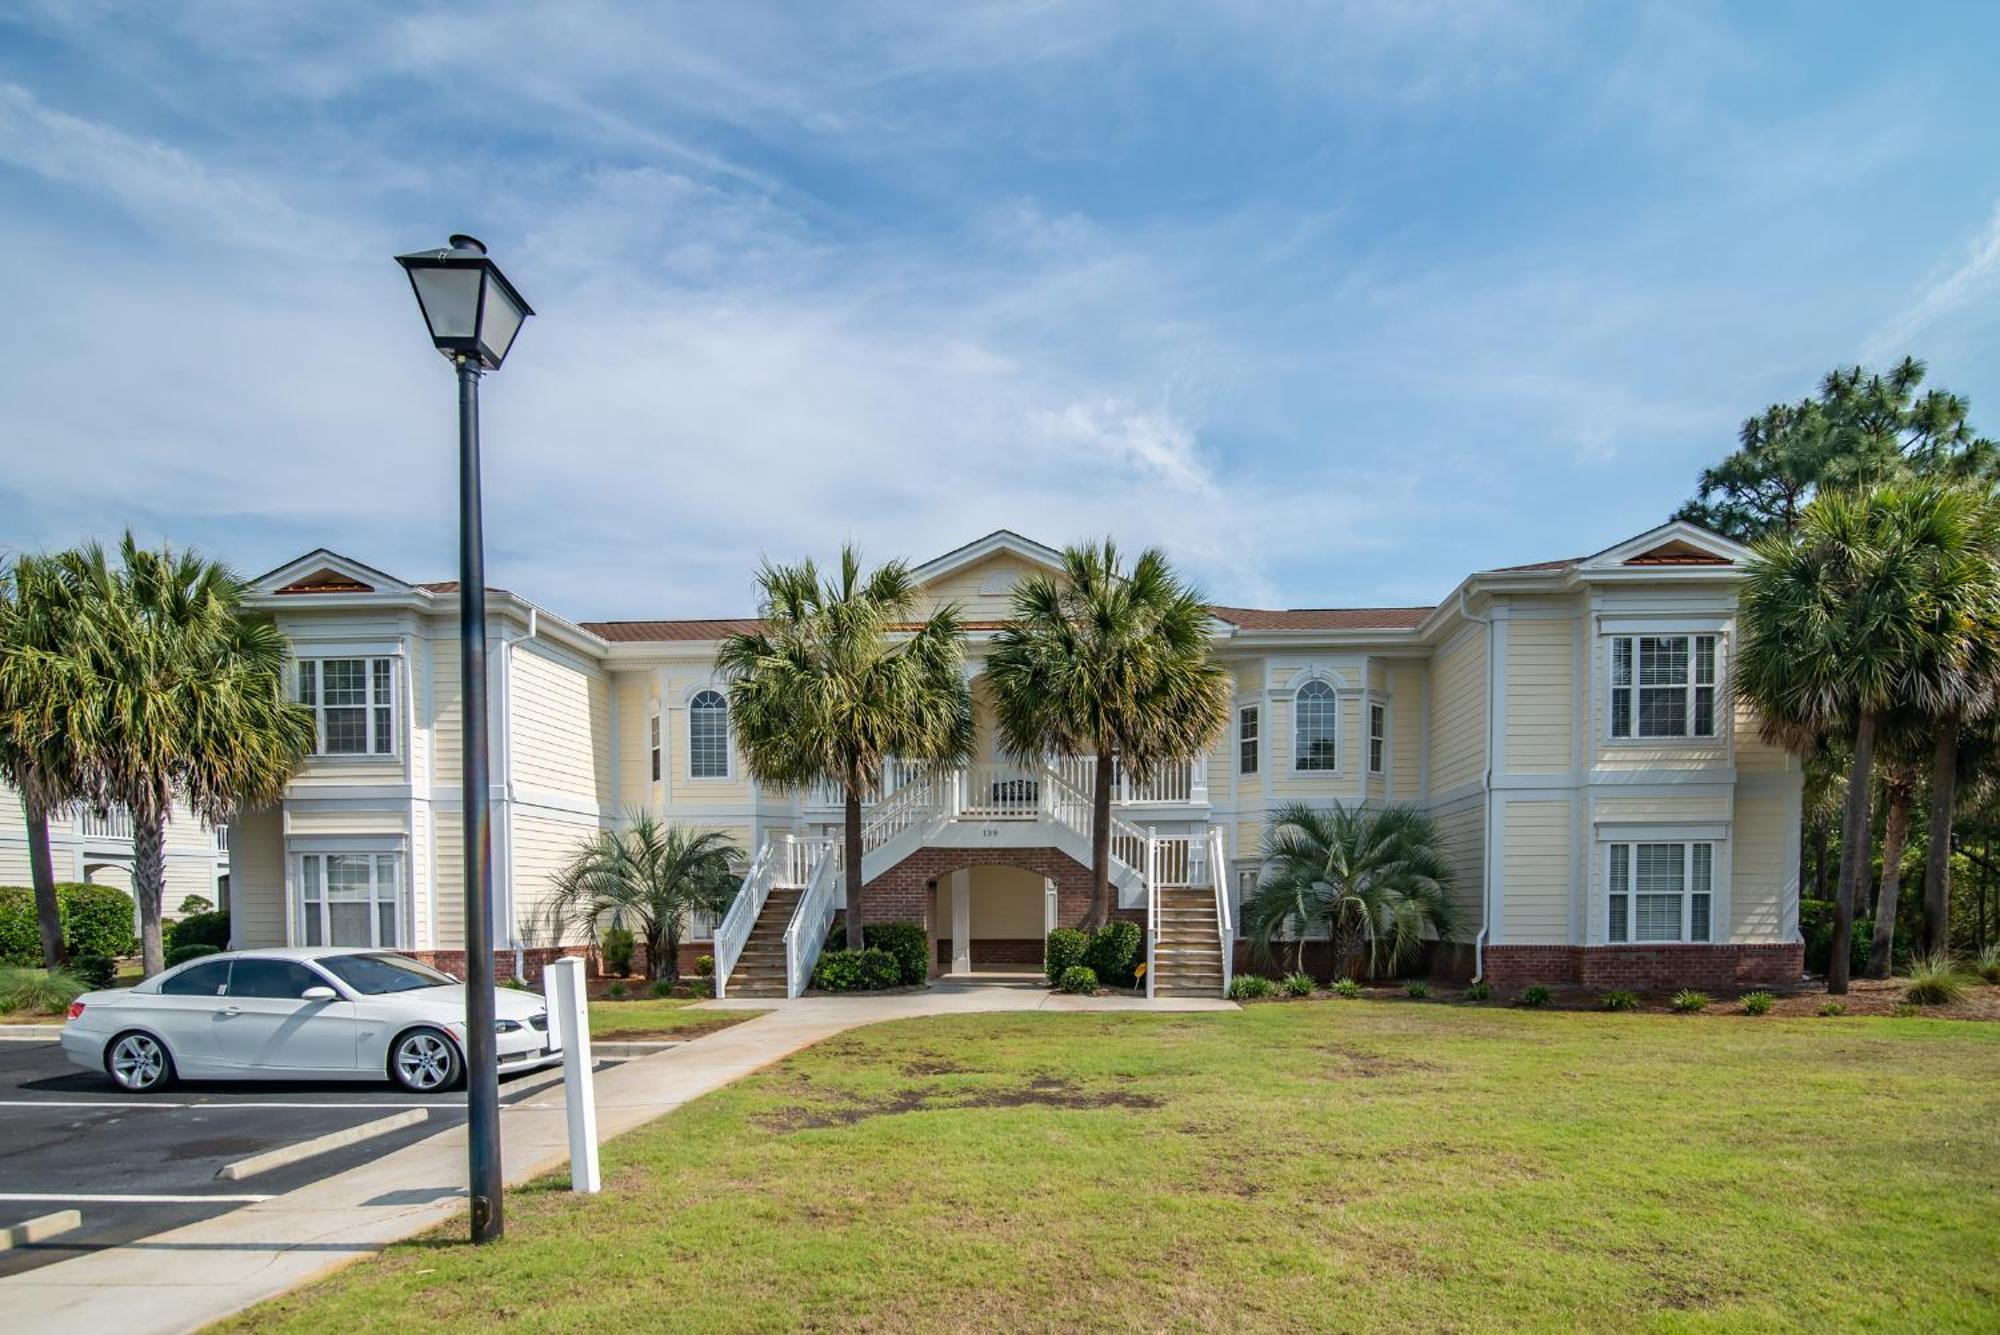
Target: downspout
507 762
1487 788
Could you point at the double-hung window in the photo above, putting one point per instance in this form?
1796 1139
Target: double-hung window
1663 685
1246 740
1314 710
1378 737
708 736
1660 892
653 745
351 899
353 701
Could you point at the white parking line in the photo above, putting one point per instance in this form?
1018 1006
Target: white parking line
133 1199
162 1103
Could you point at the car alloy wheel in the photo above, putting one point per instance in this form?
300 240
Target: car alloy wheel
424 1061
139 1063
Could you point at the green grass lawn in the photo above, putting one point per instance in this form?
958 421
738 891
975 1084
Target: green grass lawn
1297 1167
659 1017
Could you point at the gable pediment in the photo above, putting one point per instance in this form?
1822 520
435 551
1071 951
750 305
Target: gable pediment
1676 545
323 572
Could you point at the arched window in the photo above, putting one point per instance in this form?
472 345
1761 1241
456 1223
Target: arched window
1314 710
708 736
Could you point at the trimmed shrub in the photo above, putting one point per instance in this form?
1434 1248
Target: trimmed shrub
1078 980
909 945
1348 988
704 965
1935 981
1064 950
196 904
1418 989
182 954
97 920
1298 985
1687 1001
203 929
1619 999
1114 952
1756 1003
20 934
38 991
96 972
1536 995
616 992
866 970
615 948
1833 1008
1477 991
662 988
1250 987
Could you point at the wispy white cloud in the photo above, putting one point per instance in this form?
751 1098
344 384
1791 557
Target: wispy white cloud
1972 276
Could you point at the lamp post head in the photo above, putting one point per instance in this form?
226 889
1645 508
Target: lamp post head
472 310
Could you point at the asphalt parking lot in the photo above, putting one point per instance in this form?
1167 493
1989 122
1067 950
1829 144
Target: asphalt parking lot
134 1166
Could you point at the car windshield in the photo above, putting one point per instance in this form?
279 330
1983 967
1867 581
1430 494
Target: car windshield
374 975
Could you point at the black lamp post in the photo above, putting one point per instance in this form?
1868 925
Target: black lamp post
473 313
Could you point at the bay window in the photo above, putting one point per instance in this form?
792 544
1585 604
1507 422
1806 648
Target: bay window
1664 686
351 899
1662 892
353 701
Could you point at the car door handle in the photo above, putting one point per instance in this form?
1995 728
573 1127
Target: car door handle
228 1011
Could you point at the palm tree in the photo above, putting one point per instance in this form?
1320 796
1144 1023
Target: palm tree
648 874
1899 791
1101 662
188 701
835 682
44 683
1835 617
1375 878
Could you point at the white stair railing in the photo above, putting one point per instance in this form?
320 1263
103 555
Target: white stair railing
806 933
1152 912
1225 927
1171 783
733 932
915 803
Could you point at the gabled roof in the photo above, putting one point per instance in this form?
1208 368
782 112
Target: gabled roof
323 571
1674 543
1323 618
999 540
713 628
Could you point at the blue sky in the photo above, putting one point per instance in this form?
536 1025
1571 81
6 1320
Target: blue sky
1338 302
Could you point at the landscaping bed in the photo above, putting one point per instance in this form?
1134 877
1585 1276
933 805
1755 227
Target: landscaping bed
1285 1167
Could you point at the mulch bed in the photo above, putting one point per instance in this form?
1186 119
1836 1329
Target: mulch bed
1865 996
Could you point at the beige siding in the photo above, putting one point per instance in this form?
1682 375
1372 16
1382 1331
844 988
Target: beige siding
1458 713
390 822
1349 741
443 719
1007 903
559 729
1753 754
543 846
984 591
450 887
690 793
1406 730
1462 831
1535 881
1759 886
1541 694
257 908
1662 810
635 709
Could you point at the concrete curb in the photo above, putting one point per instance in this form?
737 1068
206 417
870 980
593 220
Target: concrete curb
306 1149
39 1228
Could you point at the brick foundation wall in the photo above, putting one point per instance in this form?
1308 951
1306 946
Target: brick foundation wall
903 893
532 961
1648 967
1020 953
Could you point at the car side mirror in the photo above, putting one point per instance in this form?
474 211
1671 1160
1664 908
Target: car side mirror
317 994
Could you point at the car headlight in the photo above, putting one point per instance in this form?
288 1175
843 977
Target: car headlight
506 1026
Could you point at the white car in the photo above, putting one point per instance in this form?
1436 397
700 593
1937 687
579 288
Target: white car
297 1015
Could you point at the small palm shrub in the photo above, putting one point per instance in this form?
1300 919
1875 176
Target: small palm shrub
38 991
1756 1003
1078 980
1064 950
1347 988
1687 1001
617 992
1298 985
662 988
1619 999
616 947
182 954
1477 991
1935 980
1535 996
1418 989
1833 1008
1987 965
1250 987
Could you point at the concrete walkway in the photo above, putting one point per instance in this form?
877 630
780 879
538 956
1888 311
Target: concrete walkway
187 1277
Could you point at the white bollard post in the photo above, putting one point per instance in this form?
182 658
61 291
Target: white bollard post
569 1025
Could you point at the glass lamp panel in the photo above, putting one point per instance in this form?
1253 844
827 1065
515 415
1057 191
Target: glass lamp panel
450 298
500 322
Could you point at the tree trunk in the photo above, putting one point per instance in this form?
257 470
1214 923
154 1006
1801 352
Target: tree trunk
41 869
1937 857
1100 845
665 954
1853 852
1895 836
851 857
149 882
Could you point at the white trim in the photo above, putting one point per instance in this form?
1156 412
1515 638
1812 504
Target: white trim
1332 696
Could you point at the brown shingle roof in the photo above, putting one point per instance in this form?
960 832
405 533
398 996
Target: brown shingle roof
639 631
1324 618
1563 564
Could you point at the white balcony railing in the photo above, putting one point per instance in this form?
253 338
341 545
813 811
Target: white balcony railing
1174 784
1183 782
114 824
221 833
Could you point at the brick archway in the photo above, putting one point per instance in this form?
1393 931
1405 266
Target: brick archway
904 892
